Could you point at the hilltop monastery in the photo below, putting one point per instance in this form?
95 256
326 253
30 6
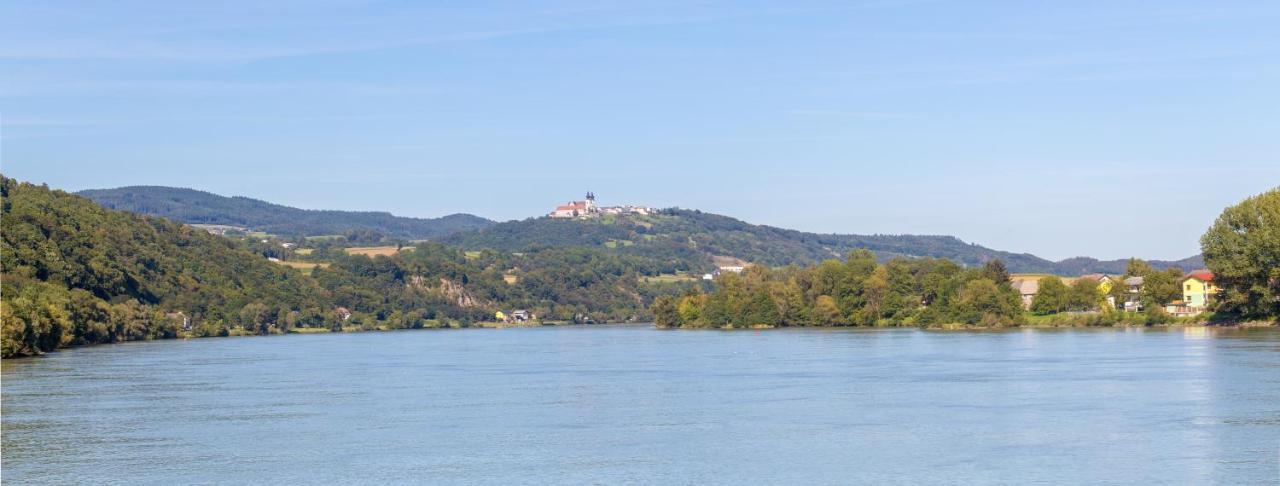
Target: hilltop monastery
588 209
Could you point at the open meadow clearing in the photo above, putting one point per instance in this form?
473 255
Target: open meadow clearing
373 251
304 266
667 277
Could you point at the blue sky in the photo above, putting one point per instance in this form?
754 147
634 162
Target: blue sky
1107 128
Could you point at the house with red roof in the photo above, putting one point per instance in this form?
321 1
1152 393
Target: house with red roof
1198 289
575 209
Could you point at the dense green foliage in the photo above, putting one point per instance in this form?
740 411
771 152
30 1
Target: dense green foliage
1055 296
685 239
440 282
905 292
198 207
1242 249
856 292
75 273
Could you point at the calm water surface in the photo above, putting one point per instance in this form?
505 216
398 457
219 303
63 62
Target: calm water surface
632 404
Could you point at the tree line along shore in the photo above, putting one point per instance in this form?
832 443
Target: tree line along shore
1242 249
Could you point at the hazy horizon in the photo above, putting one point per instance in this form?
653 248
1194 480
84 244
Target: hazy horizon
1099 129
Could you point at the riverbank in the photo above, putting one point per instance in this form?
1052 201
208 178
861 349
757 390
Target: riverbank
1040 322
973 327
1031 321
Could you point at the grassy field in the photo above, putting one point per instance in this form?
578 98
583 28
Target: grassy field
220 227
615 243
308 330
375 250
1038 276
304 251
304 266
472 255
510 279
679 277
728 261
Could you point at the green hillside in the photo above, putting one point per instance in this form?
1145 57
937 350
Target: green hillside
687 238
75 273
677 239
199 207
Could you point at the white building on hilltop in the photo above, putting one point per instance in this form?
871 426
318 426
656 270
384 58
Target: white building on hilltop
588 209
577 208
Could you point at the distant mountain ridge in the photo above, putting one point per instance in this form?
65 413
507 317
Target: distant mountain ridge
697 236
200 207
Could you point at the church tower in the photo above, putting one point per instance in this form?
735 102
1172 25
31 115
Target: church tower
591 202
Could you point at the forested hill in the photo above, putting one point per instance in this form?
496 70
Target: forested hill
75 273
199 207
695 236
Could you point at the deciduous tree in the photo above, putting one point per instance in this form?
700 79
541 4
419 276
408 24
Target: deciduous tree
1242 249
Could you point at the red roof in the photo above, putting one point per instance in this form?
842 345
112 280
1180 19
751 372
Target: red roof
1201 275
578 205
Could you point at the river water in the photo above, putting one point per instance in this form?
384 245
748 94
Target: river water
631 404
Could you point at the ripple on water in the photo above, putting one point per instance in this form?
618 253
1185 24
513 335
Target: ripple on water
637 405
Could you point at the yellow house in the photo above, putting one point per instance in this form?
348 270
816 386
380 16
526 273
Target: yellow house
1198 289
1105 285
501 317
1104 282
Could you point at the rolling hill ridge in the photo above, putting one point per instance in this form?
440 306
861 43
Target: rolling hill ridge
199 207
680 238
695 236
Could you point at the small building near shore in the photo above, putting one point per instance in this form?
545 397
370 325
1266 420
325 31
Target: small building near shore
518 315
1179 308
1133 294
1105 282
1198 289
1027 289
179 317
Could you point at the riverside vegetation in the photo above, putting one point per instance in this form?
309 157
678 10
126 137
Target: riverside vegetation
1243 247
74 273
903 292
